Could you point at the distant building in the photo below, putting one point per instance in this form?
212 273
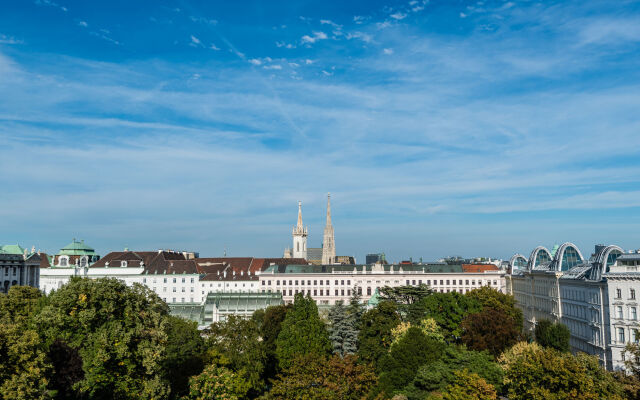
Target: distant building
18 267
378 258
345 260
595 298
72 260
314 255
329 283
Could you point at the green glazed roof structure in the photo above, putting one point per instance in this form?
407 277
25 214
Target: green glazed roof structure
12 249
77 248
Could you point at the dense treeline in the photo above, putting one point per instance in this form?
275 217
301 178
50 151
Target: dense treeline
99 339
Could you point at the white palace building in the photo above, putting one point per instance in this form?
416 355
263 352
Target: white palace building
594 297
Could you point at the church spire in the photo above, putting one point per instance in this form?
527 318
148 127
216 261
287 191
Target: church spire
328 209
328 242
299 215
299 234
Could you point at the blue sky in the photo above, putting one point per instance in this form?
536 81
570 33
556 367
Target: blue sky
440 127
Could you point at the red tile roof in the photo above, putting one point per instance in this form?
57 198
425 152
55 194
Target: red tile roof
478 267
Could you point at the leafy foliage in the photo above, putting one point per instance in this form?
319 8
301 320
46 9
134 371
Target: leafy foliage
119 333
400 365
302 332
554 335
238 341
533 372
184 354
375 336
449 310
491 298
490 329
435 376
215 383
469 386
315 377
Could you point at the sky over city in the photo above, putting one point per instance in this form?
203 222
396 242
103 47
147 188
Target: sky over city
440 128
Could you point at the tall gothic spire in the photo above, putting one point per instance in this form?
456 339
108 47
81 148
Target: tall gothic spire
299 234
328 242
299 215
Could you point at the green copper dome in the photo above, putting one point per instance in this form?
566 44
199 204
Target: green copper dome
77 248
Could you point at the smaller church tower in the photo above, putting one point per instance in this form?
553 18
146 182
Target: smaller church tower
299 237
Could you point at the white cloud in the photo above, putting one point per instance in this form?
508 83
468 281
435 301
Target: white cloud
51 4
276 66
308 62
327 73
398 16
383 25
255 61
387 51
4 39
294 65
365 37
195 41
317 35
203 20
83 24
214 47
358 19
463 15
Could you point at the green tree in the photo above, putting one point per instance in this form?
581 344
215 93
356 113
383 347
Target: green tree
469 386
408 299
375 335
490 297
342 330
435 376
536 373
490 329
215 383
313 377
400 365
554 335
449 310
119 333
269 330
24 369
238 341
184 354
303 332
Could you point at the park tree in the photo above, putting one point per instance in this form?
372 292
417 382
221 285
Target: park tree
215 383
302 332
400 364
489 297
238 342
435 376
342 330
469 386
356 307
314 377
119 333
184 354
269 330
449 310
490 329
554 335
375 335
533 372
24 368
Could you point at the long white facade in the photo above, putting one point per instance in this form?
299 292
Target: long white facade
337 283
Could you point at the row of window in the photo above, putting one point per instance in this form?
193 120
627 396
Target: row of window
164 280
633 313
408 282
632 294
14 271
635 335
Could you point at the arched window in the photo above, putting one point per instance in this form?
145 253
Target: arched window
64 261
369 291
83 261
123 263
